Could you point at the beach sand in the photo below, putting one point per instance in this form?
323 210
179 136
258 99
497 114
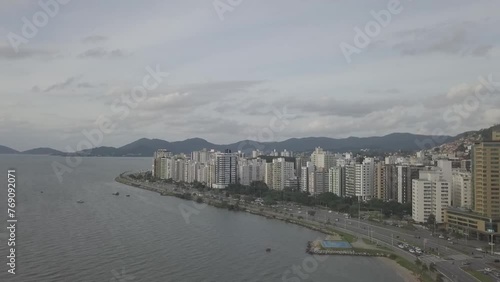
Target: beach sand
402 272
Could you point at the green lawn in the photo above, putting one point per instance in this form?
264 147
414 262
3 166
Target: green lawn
367 241
348 237
479 275
426 277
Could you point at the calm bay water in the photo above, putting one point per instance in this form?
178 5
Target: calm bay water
144 237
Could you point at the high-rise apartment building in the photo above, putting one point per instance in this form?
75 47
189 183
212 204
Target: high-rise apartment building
461 189
226 169
323 159
157 162
305 174
486 176
281 172
385 182
318 181
250 170
364 179
336 180
350 180
405 175
431 194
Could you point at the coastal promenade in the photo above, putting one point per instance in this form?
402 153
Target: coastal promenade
330 223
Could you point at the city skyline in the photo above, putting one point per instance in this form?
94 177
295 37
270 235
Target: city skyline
226 86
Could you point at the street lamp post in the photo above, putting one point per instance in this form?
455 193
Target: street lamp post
491 243
359 211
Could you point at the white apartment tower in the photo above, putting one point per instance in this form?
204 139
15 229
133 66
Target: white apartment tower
364 179
281 171
305 173
431 194
336 181
323 159
462 189
251 170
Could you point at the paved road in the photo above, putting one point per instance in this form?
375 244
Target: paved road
448 262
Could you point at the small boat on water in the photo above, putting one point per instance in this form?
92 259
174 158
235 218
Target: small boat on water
116 194
80 201
128 195
268 250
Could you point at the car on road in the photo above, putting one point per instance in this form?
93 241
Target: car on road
487 269
441 237
401 246
412 251
479 250
329 211
418 251
465 263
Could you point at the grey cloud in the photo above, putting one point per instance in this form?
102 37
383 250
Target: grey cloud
94 39
446 38
459 95
66 84
102 53
481 51
327 106
203 124
63 85
219 86
245 107
6 52
89 85
446 43
323 106
398 119
192 96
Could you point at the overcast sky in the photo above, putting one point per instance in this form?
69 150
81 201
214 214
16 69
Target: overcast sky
232 72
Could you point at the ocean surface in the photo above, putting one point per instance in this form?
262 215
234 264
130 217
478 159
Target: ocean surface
147 237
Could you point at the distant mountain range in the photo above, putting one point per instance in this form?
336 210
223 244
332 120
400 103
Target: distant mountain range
37 151
146 147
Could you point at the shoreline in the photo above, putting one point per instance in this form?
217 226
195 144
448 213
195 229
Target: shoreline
406 274
403 272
